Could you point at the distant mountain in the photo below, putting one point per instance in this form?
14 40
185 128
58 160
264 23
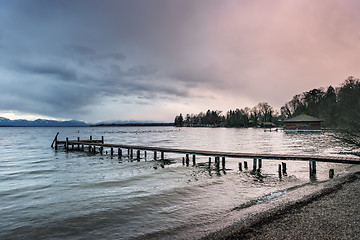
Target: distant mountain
4 122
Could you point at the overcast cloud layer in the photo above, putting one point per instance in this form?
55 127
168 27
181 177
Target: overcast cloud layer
150 60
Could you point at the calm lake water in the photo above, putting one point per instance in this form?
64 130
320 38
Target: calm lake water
49 194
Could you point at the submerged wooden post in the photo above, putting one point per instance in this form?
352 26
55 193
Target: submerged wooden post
102 139
131 153
128 152
82 147
78 139
240 167
209 162
119 153
94 149
312 168
145 155
112 151
183 161
187 159
260 163
101 150
245 165
283 168
217 163
55 141
223 162
194 161
279 170
67 143
90 138
254 164
138 155
162 155
155 155
331 173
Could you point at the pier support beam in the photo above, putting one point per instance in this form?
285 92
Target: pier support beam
312 168
187 160
119 153
245 165
194 160
209 162
223 162
162 155
284 168
240 167
260 163
279 170
155 155
112 151
67 144
254 164
138 155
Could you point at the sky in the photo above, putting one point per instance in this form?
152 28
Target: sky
106 60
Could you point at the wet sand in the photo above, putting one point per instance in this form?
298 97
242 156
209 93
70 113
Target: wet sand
331 213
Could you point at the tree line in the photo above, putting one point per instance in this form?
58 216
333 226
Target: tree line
337 107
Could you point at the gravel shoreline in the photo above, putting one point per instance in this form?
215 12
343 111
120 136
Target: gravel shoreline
332 213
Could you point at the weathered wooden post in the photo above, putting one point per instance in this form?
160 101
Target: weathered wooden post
55 141
312 168
187 159
279 170
260 163
67 144
240 167
194 160
331 173
94 150
119 153
101 150
131 153
112 151
90 138
162 155
128 152
138 155
217 162
254 164
82 147
102 139
283 168
223 162
245 165
183 161
209 162
145 155
155 153
78 139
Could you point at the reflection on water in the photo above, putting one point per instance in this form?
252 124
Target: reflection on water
57 194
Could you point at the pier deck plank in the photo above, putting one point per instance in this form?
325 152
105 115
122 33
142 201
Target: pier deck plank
334 159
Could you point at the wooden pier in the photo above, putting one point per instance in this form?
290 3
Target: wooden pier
94 145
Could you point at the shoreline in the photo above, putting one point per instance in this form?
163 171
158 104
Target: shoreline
236 224
268 224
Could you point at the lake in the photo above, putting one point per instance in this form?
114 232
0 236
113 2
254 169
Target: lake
47 193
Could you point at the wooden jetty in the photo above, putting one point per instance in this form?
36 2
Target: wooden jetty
94 145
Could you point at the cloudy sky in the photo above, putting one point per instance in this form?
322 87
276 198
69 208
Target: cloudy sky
98 60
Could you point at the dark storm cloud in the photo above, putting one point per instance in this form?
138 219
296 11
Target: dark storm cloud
63 58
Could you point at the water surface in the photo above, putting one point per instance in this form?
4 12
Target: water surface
46 193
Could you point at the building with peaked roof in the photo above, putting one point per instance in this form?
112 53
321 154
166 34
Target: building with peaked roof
303 123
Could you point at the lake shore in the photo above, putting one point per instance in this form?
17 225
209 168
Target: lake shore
330 213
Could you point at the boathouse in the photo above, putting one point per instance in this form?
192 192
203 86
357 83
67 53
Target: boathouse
303 123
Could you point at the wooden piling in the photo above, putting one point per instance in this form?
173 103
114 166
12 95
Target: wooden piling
55 141
67 144
331 173
223 162
187 159
162 155
82 147
312 168
245 165
217 163
279 170
102 139
209 162
131 153
90 138
284 168
260 163
194 160
183 161
78 139
155 155
145 155
138 155
240 167
254 164
101 150
119 153
128 153
94 149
